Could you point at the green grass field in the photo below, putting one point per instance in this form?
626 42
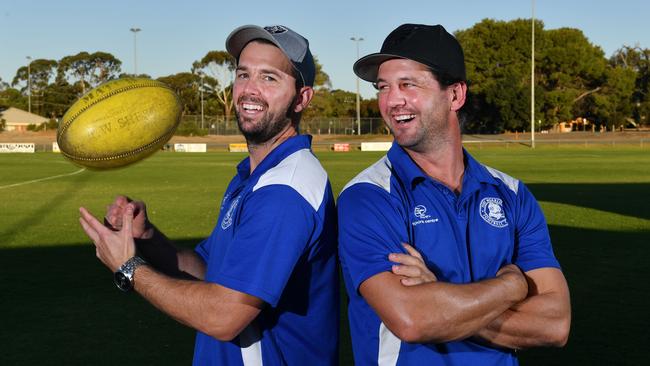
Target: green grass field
60 307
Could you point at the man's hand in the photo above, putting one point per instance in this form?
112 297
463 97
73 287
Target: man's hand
411 267
113 248
142 228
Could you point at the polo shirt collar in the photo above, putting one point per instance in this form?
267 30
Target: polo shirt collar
404 165
278 154
477 170
410 172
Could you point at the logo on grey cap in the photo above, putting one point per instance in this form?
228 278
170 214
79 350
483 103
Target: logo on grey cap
275 29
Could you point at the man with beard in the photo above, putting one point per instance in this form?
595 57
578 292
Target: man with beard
263 288
446 261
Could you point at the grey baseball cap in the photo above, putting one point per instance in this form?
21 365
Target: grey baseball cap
294 46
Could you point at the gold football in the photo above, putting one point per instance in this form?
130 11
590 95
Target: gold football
118 123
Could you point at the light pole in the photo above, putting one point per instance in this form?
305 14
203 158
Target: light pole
532 80
357 40
202 75
29 84
135 51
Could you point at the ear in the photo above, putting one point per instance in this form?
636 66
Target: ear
458 95
303 98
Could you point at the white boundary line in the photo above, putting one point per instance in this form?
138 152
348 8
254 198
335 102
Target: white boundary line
41 179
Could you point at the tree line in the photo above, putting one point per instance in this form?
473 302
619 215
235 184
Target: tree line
573 78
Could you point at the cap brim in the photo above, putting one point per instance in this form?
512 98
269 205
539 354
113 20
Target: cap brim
240 37
367 67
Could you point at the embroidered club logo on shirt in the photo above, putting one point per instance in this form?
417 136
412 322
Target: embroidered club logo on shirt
420 211
224 200
492 212
227 220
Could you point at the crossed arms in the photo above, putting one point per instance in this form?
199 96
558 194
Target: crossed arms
513 310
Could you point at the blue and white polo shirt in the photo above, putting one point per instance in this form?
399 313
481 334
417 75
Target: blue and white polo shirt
276 240
462 238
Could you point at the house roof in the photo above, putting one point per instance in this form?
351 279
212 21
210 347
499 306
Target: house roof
15 116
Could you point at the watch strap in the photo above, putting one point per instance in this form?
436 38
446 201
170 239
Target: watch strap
124 276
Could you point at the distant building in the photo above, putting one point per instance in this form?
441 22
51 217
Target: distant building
578 124
18 119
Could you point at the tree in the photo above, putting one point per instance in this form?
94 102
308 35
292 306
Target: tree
637 60
612 106
218 69
497 57
570 75
40 71
321 80
570 69
58 97
88 70
334 103
11 97
187 87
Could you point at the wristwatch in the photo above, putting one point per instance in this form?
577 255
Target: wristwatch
123 278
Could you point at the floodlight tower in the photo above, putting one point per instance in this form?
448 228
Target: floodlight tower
135 51
357 40
29 84
532 79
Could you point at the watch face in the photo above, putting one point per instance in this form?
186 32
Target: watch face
122 282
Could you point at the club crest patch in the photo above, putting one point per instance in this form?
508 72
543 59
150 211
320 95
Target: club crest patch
492 212
227 219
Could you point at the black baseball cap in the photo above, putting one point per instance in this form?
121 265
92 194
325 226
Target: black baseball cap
430 45
292 44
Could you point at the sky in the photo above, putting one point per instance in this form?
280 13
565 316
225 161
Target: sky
174 34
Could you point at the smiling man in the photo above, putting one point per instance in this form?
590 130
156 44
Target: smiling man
446 261
264 284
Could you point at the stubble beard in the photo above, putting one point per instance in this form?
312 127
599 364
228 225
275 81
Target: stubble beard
269 126
430 134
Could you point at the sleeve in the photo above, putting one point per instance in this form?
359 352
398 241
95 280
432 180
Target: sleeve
202 250
533 243
274 229
371 226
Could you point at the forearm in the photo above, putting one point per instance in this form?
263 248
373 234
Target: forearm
163 255
438 312
458 311
207 307
541 320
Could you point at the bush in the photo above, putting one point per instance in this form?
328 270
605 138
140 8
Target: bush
190 129
52 124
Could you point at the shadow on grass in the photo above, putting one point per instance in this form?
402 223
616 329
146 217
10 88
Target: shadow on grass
59 305
608 278
628 199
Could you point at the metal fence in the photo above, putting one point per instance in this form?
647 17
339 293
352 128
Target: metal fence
218 125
